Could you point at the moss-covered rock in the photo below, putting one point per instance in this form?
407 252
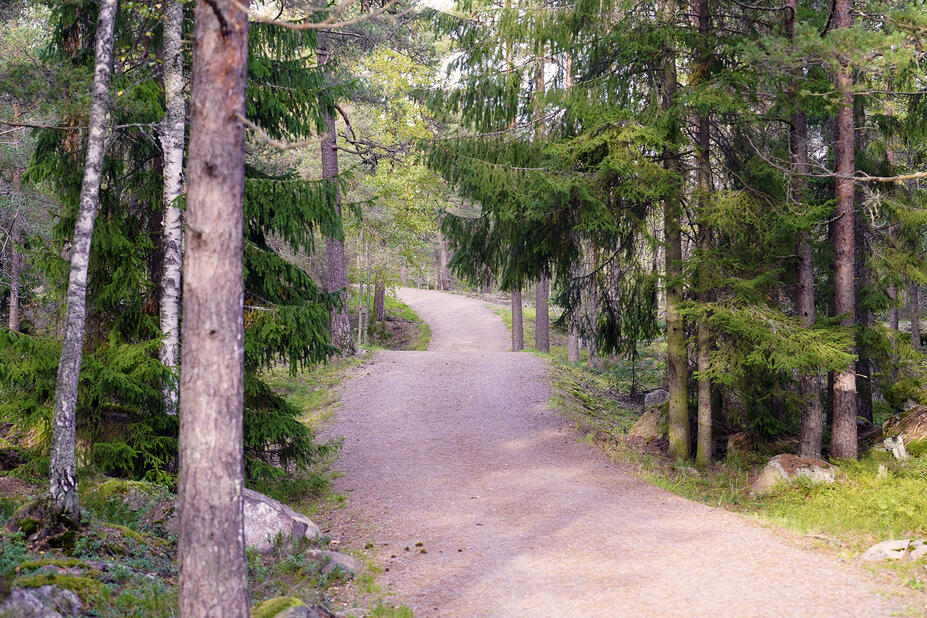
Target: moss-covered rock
274 607
84 587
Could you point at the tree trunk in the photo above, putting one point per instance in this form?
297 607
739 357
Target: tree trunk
677 375
914 314
542 315
15 259
172 142
211 549
444 273
590 309
843 440
379 300
337 276
705 443
62 484
864 320
518 331
812 417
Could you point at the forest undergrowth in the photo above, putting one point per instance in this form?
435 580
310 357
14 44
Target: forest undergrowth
122 561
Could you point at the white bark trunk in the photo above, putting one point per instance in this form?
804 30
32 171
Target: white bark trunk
62 484
172 145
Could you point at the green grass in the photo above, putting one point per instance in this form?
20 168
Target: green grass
403 329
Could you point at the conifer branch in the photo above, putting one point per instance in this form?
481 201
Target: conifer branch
330 22
276 143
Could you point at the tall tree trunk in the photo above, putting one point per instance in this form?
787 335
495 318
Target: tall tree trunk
576 268
843 440
518 330
677 374
542 315
590 302
443 260
864 320
812 417
914 314
15 259
542 289
337 276
211 550
704 441
379 300
172 143
62 484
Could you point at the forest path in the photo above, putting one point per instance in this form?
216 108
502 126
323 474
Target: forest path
454 448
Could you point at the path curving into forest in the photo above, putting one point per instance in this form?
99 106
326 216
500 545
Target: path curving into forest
456 449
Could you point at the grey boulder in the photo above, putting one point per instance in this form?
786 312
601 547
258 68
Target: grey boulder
267 519
787 468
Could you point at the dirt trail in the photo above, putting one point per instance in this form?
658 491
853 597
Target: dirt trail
455 448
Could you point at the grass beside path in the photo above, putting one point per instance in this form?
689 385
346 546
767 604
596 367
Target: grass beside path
863 508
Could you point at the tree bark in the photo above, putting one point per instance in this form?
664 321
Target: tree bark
542 315
62 484
677 374
172 143
844 438
379 300
914 315
211 549
337 276
704 444
15 259
590 309
812 417
443 260
518 331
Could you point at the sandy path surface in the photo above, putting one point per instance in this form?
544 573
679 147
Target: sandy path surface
455 448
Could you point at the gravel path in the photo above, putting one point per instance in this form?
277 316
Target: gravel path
455 449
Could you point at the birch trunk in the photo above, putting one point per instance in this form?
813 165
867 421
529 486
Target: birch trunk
812 416
843 440
172 142
15 259
337 280
677 374
211 549
62 484
518 331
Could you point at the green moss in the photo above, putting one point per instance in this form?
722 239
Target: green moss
64 563
121 487
138 537
28 525
272 607
917 448
84 587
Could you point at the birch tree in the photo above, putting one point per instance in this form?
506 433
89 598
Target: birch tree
172 142
62 482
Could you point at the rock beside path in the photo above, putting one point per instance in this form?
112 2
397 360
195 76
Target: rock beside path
786 468
40 602
904 549
656 398
266 519
332 561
